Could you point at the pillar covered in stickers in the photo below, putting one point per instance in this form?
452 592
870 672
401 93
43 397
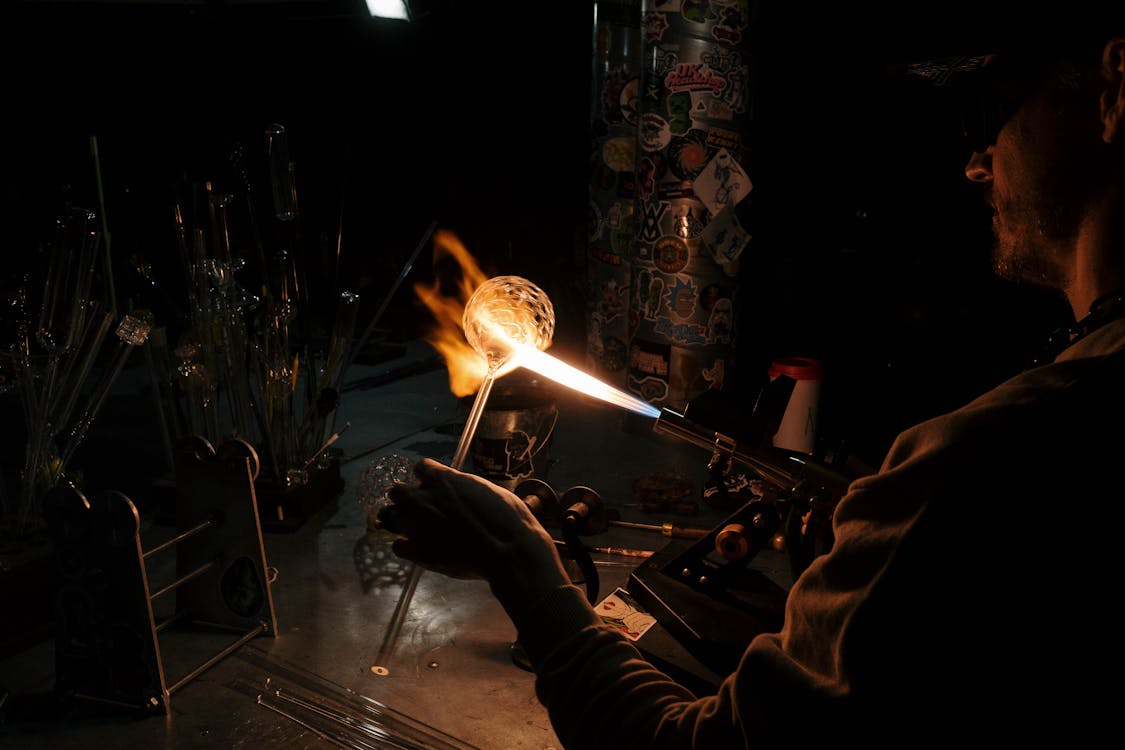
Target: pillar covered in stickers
691 181
613 136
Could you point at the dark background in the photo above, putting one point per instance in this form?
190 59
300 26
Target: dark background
870 248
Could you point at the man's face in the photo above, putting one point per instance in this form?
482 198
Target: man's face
1036 172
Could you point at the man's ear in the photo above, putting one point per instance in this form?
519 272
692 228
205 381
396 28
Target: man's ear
1113 95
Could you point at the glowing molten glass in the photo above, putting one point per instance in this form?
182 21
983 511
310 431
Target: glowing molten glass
487 327
506 312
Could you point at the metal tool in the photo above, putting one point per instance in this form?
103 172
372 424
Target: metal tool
667 528
704 592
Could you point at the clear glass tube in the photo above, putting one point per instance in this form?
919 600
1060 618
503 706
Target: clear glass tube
131 331
281 173
339 711
403 605
473 419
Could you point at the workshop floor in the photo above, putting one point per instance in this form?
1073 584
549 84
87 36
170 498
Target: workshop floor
337 586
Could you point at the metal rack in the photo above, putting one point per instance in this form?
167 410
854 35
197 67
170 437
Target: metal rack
108 632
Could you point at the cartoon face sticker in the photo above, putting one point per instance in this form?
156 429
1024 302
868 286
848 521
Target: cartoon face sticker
709 295
653 132
681 298
720 322
679 112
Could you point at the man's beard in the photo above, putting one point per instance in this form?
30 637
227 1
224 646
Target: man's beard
1023 263
1029 243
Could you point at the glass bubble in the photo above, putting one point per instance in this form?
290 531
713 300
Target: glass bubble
507 310
377 477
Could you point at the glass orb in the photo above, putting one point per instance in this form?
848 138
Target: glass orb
507 310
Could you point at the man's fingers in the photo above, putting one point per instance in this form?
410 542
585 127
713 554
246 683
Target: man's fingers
407 549
411 509
428 470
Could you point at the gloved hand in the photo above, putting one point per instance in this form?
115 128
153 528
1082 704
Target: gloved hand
464 526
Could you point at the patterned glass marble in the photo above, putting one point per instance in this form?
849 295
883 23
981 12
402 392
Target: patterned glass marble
380 474
506 310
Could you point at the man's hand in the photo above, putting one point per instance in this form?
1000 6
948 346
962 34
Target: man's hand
464 526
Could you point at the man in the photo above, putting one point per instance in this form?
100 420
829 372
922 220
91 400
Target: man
969 597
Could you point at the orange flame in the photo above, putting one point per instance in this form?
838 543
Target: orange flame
446 298
467 367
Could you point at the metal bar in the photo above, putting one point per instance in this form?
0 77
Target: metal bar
246 638
180 581
169 621
177 539
358 348
667 529
620 551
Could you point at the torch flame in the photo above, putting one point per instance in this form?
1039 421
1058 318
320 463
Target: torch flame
467 368
567 375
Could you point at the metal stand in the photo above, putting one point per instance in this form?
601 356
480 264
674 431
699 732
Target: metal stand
107 631
704 594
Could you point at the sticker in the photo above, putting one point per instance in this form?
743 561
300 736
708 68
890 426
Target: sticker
694 76
649 170
599 253
681 298
652 214
655 24
649 359
719 138
670 254
679 112
622 612
719 110
670 191
730 64
622 240
650 389
594 222
723 183
618 153
730 24
629 100
710 294
687 154
686 224
720 323
613 300
725 237
605 178
626 184
505 451
713 375
608 352
685 334
649 293
698 11
614 357
653 133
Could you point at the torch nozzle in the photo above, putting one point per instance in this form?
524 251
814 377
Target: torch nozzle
783 468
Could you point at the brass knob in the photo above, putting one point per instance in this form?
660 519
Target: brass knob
733 542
